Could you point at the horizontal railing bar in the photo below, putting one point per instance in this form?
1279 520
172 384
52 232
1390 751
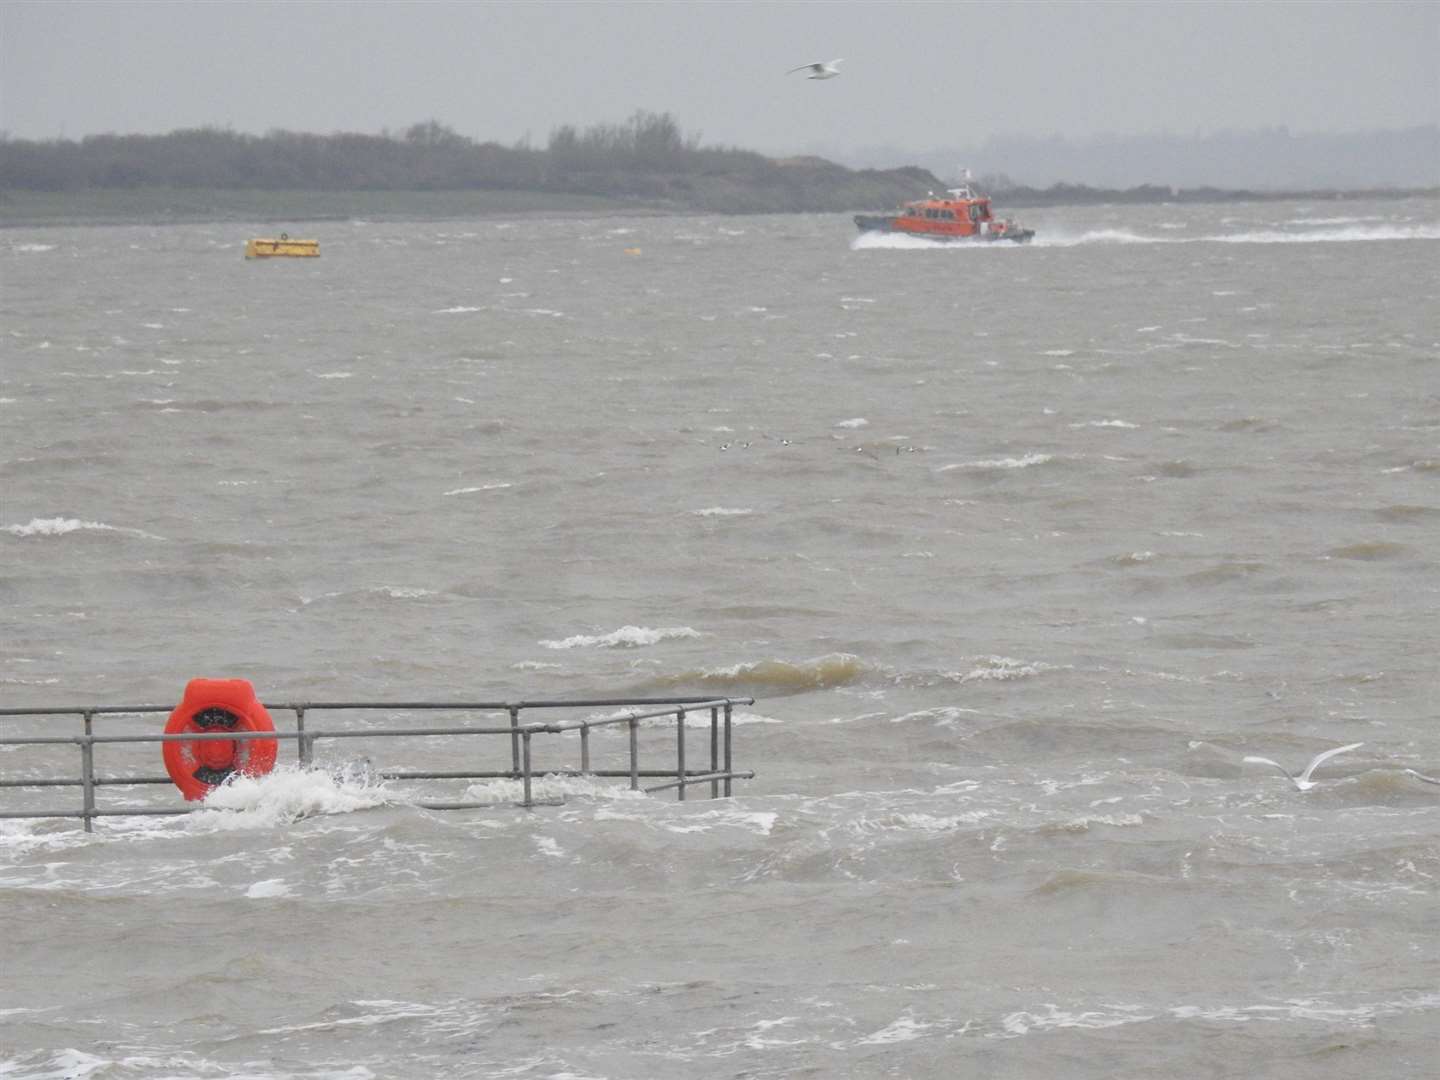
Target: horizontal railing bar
488 774
313 734
699 778
308 706
166 811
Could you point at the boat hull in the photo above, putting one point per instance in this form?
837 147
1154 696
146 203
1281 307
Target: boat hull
882 223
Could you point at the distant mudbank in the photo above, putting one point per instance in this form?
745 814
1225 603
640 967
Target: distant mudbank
645 163
1082 195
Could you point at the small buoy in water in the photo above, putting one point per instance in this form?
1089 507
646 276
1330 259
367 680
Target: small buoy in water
213 706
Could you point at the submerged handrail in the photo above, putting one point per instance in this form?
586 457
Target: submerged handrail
720 772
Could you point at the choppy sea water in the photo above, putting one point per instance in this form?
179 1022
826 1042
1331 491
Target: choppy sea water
1020 551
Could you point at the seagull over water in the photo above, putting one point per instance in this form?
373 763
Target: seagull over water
1303 781
819 69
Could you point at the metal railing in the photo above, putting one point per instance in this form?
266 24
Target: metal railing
718 775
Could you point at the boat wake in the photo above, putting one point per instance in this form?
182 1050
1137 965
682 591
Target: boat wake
1049 238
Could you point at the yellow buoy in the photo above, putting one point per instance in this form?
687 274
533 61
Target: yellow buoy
284 247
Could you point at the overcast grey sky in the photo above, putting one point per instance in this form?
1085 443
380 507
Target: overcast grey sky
915 74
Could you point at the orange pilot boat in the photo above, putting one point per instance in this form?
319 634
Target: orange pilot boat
962 214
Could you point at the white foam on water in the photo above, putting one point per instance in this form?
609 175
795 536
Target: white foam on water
756 822
548 788
392 592
999 668
875 241
1106 424
625 637
903 1029
267 889
1119 821
285 795
334 374
31 249
1049 238
1022 1023
1352 234
722 511
61 526
377 1012
535 665
460 310
1333 220
67 1064
499 486
857 422
1001 463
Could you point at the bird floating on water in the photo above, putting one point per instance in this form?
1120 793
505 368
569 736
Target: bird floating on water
1303 781
819 69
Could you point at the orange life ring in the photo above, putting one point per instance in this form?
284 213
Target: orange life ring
216 705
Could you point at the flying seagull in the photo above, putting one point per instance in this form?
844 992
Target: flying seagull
819 69
1303 781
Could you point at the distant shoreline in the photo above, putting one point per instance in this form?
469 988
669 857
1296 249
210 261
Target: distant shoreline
173 206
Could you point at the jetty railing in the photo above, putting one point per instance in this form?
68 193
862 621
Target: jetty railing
719 771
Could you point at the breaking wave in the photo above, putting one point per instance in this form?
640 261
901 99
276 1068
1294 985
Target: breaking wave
1000 463
775 676
625 637
286 795
60 526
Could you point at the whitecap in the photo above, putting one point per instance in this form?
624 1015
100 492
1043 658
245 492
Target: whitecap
549 788
1000 668
902 1030
625 637
482 487
1353 234
1001 463
264 890
857 422
287 794
722 511
31 249
61 526
1021 1023
460 310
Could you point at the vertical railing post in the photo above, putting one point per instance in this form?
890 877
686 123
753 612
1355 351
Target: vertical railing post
514 740
87 771
305 748
714 749
584 749
680 754
528 800
728 767
634 754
